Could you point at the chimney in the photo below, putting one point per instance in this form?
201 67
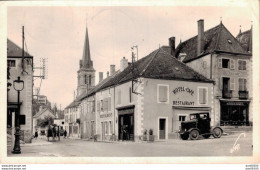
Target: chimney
107 73
200 43
100 76
123 63
172 45
112 69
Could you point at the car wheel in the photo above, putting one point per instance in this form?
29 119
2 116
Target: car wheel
206 136
217 132
184 136
194 135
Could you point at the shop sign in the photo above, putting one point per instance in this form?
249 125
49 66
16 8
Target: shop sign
183 89
235 103
127 111
183 103
106 115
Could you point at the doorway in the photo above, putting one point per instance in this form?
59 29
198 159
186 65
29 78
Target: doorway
162 128
126 127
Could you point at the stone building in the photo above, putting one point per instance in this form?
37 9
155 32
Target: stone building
156 92
22 67
227 60
86 82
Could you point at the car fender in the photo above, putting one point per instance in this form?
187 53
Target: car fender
213 127
193 129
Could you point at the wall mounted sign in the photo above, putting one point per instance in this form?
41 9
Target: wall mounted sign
106 115
183 89
126 111
183 103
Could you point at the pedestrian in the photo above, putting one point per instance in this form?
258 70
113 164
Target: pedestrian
65 134
36 134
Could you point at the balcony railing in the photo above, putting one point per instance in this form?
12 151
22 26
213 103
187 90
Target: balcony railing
243 94
227 94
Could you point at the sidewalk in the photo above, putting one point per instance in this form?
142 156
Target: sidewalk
38 142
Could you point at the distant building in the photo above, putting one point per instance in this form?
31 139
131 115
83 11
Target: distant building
72 120
227 60
23 67
42 114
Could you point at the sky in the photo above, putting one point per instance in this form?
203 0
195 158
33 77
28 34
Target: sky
58 33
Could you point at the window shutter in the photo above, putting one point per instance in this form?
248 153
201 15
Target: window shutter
245 85
232 83
163 93
239 65
119 97
200 95
245 65
109 104
204 96
220 63
98 106
232 64
220 83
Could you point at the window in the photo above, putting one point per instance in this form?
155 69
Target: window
182 118
93 106
105 106
241 65
130 95
119 97
203 95
85 79
98 106
106 127
102 106
89 80
242 84
10 63
162 93
225 63
109 104
110 125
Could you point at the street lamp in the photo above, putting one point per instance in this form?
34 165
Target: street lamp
18 86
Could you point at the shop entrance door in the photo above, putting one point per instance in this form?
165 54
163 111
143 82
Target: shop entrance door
162 128
126 127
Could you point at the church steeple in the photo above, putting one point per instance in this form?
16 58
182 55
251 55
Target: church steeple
86 73
86 59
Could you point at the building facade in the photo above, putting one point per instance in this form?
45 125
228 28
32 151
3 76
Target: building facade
72 120
20 67
219 56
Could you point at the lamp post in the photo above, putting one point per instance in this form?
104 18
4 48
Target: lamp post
18 86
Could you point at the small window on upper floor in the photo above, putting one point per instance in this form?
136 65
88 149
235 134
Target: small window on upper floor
162 93
241 65
225 63
11 63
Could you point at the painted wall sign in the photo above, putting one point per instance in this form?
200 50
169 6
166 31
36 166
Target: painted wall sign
183 89
106 115
184 103
127 111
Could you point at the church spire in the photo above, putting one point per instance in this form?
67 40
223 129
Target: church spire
86 60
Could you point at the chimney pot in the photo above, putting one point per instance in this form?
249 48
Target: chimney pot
123 63
172 45
112 69
200 41
100 76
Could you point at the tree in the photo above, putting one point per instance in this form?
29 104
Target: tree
47 120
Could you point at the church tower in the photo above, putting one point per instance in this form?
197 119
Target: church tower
86 72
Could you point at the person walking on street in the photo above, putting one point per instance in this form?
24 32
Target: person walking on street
36 134
65 134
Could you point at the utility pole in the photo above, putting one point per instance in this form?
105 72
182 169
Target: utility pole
23 49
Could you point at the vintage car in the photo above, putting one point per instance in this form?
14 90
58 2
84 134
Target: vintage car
199 124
